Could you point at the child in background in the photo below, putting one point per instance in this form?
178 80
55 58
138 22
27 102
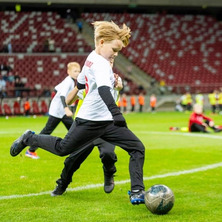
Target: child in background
107 154
58 110
198 122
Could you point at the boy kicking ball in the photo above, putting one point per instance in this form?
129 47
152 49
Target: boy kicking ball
99 115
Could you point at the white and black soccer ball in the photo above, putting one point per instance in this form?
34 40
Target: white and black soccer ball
159 199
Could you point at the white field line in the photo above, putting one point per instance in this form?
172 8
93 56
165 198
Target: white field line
146 132
150 132
181 134
92 186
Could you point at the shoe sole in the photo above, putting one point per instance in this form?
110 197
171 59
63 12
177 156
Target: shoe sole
18 142
33 157
54 195
110 189
137 201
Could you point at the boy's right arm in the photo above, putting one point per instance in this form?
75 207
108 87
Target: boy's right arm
68 112
72 96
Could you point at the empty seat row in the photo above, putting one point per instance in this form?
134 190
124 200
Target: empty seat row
9 108
39 32
40 72
178 49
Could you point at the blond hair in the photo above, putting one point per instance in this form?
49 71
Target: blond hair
110 31
73 64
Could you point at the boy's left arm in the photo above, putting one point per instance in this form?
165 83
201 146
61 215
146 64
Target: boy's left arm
72 96
207 118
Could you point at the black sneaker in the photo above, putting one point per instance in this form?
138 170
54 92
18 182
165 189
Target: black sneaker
108 183
137 197
217 130
18 145
59 190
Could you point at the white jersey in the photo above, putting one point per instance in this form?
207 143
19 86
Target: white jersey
96 72
56 108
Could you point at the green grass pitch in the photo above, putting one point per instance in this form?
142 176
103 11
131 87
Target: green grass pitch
191 165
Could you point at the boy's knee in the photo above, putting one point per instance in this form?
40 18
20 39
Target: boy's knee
141 147
105 156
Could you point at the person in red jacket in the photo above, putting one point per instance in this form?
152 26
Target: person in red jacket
198 122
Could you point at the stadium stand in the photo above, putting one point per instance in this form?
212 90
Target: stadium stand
35 31
44 71
40 71
39 68
179 49
182 50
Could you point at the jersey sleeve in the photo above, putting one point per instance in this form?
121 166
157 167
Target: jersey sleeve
67 84
81 78
207 118
80 94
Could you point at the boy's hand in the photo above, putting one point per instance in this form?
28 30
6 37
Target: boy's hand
118 82
119 120
205 125
72 96
211 123
116 76
68 112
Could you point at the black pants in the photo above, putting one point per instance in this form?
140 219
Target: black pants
189 106
51 124
73 162
195 127
83 132
213 108
153 108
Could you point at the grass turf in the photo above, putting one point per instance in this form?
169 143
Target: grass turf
198 195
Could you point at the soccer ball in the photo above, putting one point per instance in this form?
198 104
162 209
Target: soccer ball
159 199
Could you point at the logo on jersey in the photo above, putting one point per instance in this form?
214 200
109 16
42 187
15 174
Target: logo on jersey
88 63
86 85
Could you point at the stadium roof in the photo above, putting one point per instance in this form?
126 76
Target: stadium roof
202 3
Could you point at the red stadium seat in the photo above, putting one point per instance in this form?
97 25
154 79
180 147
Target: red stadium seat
44 107
7 109
35 108
1 113
17 108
